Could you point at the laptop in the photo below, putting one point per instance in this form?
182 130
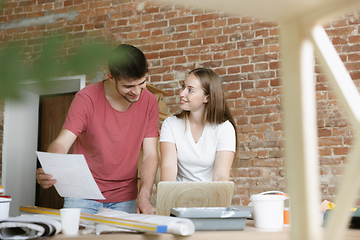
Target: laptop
193 194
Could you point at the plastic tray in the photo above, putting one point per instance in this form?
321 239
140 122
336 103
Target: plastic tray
214 218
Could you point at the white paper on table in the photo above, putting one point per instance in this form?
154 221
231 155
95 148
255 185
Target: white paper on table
72 174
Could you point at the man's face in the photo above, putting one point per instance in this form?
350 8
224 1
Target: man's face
131 90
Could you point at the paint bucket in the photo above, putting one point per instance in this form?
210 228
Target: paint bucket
4 206
268 210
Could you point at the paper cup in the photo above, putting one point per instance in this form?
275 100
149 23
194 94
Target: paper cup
70 220
268 211
4 207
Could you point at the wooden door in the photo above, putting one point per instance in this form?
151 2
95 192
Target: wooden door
52 113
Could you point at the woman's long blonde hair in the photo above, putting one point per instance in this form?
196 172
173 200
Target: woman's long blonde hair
216 109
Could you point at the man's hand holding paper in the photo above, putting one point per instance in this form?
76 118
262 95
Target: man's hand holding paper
71 175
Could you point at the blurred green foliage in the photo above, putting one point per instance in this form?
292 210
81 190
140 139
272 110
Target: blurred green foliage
17 66
14 70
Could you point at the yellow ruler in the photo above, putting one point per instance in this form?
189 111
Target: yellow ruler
124 223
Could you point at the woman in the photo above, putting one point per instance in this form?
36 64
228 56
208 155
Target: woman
199 143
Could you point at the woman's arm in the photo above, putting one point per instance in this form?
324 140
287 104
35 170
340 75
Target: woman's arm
168 161
222 167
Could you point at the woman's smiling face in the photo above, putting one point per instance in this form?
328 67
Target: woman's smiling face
192 95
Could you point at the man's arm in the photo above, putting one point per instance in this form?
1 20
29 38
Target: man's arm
147 175
61 144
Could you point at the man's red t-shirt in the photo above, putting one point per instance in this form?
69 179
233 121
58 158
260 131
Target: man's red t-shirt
110 139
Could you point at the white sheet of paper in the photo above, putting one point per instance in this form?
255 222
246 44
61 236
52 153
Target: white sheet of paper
72 174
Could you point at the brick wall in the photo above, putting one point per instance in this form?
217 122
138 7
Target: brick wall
243 50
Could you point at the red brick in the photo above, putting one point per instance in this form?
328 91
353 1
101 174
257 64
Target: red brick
219 55
330 161
324 132
184 35
261 50
194 58
233 20
330 141
208 24
241 120
247 68
261 66
256 137
262 84
231 30
206 17
182 20
268 163
274 48
248 35
232 95
271 40
255 172
181 59
325 152
250 43
260 110
247 52
271 118
339 40
263 128
209 40
340 31
182 44
168 77
196 50
236 61
171 53
159 70
261 75
256 102
274 32
261 25
262 33
222 39
195 42
220 23
354 57
168 61
194 27
231 86
247 85
264 57
157 32
341 151
247 128
207 57
233 53
212 64
156 24
232 70
351 48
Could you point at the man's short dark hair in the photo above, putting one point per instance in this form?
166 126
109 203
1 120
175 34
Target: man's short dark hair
127 62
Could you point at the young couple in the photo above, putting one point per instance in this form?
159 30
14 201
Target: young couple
110 121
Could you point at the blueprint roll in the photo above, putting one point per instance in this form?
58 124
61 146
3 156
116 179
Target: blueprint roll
183 227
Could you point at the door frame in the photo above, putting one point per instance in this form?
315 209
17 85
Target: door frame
21 138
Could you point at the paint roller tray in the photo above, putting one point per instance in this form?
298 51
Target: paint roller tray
213 218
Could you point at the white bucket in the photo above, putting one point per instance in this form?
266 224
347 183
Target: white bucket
4 207
268 211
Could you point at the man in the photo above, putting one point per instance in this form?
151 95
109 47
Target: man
109 122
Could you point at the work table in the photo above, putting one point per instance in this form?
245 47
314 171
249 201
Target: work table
250 232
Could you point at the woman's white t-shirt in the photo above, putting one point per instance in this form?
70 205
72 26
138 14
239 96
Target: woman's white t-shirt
196 160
